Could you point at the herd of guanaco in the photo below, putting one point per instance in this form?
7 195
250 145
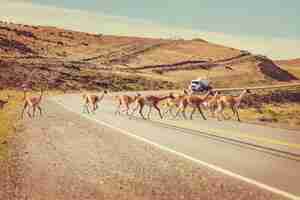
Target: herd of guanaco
174 105
212 101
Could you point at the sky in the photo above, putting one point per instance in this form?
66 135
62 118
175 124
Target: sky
269 27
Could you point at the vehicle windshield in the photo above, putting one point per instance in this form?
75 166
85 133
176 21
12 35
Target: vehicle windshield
195 82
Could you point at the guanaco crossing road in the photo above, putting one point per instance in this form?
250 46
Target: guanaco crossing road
268 158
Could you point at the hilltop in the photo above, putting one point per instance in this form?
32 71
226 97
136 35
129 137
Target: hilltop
75 60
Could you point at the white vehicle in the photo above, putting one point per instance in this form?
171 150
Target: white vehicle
200 85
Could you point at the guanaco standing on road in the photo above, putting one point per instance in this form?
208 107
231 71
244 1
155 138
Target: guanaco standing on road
212 103
125 101
32 102
92 99
195 102
4 102
152 101
173 103
231 102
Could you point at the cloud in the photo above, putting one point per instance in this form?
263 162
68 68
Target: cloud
24 12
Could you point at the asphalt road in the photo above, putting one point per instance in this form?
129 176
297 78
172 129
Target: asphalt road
268 158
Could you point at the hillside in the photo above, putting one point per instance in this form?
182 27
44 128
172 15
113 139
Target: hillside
74 60
292 65
291 62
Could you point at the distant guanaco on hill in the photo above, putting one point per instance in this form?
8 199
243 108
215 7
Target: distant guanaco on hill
67 59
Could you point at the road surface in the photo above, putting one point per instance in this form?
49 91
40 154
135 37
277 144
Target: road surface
267 155
70 155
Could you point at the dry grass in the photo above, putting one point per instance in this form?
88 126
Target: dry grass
11 114
286 115
241 75
8 118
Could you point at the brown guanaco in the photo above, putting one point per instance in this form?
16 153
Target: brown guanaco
152 101
173 103
194 101
232 102
33 102
212 103
92 99
126 101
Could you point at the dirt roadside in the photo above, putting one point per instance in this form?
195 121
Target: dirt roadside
64 156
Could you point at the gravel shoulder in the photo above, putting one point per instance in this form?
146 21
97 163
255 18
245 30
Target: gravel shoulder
64 156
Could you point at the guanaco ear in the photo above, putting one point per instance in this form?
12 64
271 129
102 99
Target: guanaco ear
248 91
138 94
105 91
185 92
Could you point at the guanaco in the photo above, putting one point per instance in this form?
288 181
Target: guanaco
212 103
126 101
92 99
193 101
152 101
231 102
4 102
173 103
33 102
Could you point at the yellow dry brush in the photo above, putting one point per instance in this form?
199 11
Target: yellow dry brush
8 116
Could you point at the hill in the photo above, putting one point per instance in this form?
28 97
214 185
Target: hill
292 65
75 60
291 62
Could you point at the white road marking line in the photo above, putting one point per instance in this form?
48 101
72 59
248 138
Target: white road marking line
216 168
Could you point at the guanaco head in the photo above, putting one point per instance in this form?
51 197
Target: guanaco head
185 92
171 95
137 95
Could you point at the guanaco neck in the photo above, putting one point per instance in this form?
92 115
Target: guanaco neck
24 97
215 96
41 95
133 99
206 95
102 96
239 98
